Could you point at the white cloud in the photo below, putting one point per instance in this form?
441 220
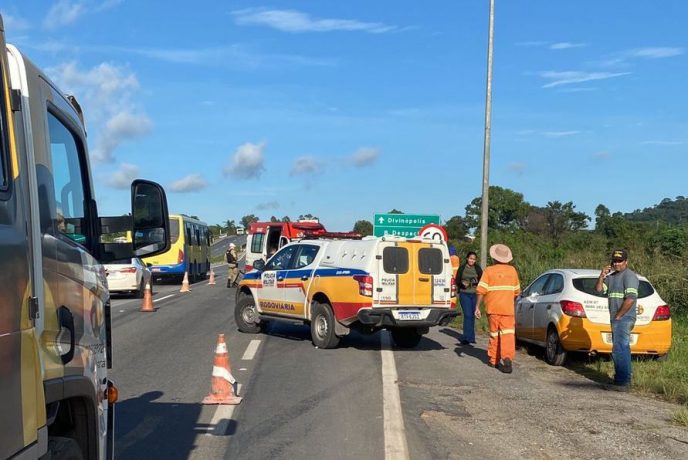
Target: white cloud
655 53
122 126
66 12
566 45
306 165
63 13
122 178
560 133
268 205
296 21
572 76
106 93
14 23
247 161
365 156
191 183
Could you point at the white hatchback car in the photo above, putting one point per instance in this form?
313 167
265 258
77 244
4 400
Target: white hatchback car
562 312
128 275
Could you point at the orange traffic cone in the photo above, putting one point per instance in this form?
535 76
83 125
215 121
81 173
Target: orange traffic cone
185 283
147 305
212 278
222 382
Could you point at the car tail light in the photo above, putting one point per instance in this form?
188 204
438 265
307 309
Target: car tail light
662 313
572 308
128 270
453 287
180 256
365 284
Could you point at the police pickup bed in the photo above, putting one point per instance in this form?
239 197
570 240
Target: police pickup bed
392 283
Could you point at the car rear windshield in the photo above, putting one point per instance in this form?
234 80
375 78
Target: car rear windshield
587 285
430 261
395 260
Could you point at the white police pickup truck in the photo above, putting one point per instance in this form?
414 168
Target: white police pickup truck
403 285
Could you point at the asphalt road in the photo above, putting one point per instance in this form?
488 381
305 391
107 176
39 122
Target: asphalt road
437 401
219 247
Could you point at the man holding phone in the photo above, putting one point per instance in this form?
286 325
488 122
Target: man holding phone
621 286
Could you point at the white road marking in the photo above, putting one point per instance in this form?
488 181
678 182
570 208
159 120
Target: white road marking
223 415
395 436
163 298
251 350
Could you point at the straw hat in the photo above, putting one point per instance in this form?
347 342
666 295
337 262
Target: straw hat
501 253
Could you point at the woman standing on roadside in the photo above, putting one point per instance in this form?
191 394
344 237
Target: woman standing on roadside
466 281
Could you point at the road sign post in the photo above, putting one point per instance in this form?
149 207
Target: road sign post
404 225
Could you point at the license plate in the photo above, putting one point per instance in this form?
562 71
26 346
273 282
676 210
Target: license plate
155 269
607 337
409 315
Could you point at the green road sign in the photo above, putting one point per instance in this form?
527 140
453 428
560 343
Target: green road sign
404 225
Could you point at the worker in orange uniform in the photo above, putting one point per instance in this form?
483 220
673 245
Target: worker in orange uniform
499 286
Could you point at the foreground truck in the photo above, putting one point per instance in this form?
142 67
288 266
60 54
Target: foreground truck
56 401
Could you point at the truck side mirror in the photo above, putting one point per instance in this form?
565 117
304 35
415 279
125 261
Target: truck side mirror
150 218
259 265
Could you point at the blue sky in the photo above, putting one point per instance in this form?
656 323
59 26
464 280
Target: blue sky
344 109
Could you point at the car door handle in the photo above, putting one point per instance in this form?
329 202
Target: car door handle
549 307
280 278
531 307
304 278
425 280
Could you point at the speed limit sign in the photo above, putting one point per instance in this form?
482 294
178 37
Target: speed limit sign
433 231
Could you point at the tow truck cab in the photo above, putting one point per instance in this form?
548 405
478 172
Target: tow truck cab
265 238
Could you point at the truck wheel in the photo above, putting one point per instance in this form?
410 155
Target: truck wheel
406 337
555 354
322 326
246 316
64 449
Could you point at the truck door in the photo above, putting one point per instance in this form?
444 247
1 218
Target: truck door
21 393
273 276
393 267
298 278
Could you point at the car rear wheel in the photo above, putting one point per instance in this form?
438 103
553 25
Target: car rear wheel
141 290
322 326
554 352
406 337
246 315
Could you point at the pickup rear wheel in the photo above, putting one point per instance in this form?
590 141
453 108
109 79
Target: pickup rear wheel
406 337
246 316
322 326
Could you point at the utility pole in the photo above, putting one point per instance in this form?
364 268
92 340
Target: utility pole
486 145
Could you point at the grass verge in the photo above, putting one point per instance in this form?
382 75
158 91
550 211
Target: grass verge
667 377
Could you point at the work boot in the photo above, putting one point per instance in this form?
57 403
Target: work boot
506 366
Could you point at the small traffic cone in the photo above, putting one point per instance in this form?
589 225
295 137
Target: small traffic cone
185 283
147 305
222 382
212 278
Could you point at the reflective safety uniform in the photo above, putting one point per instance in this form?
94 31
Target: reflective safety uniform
500 285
